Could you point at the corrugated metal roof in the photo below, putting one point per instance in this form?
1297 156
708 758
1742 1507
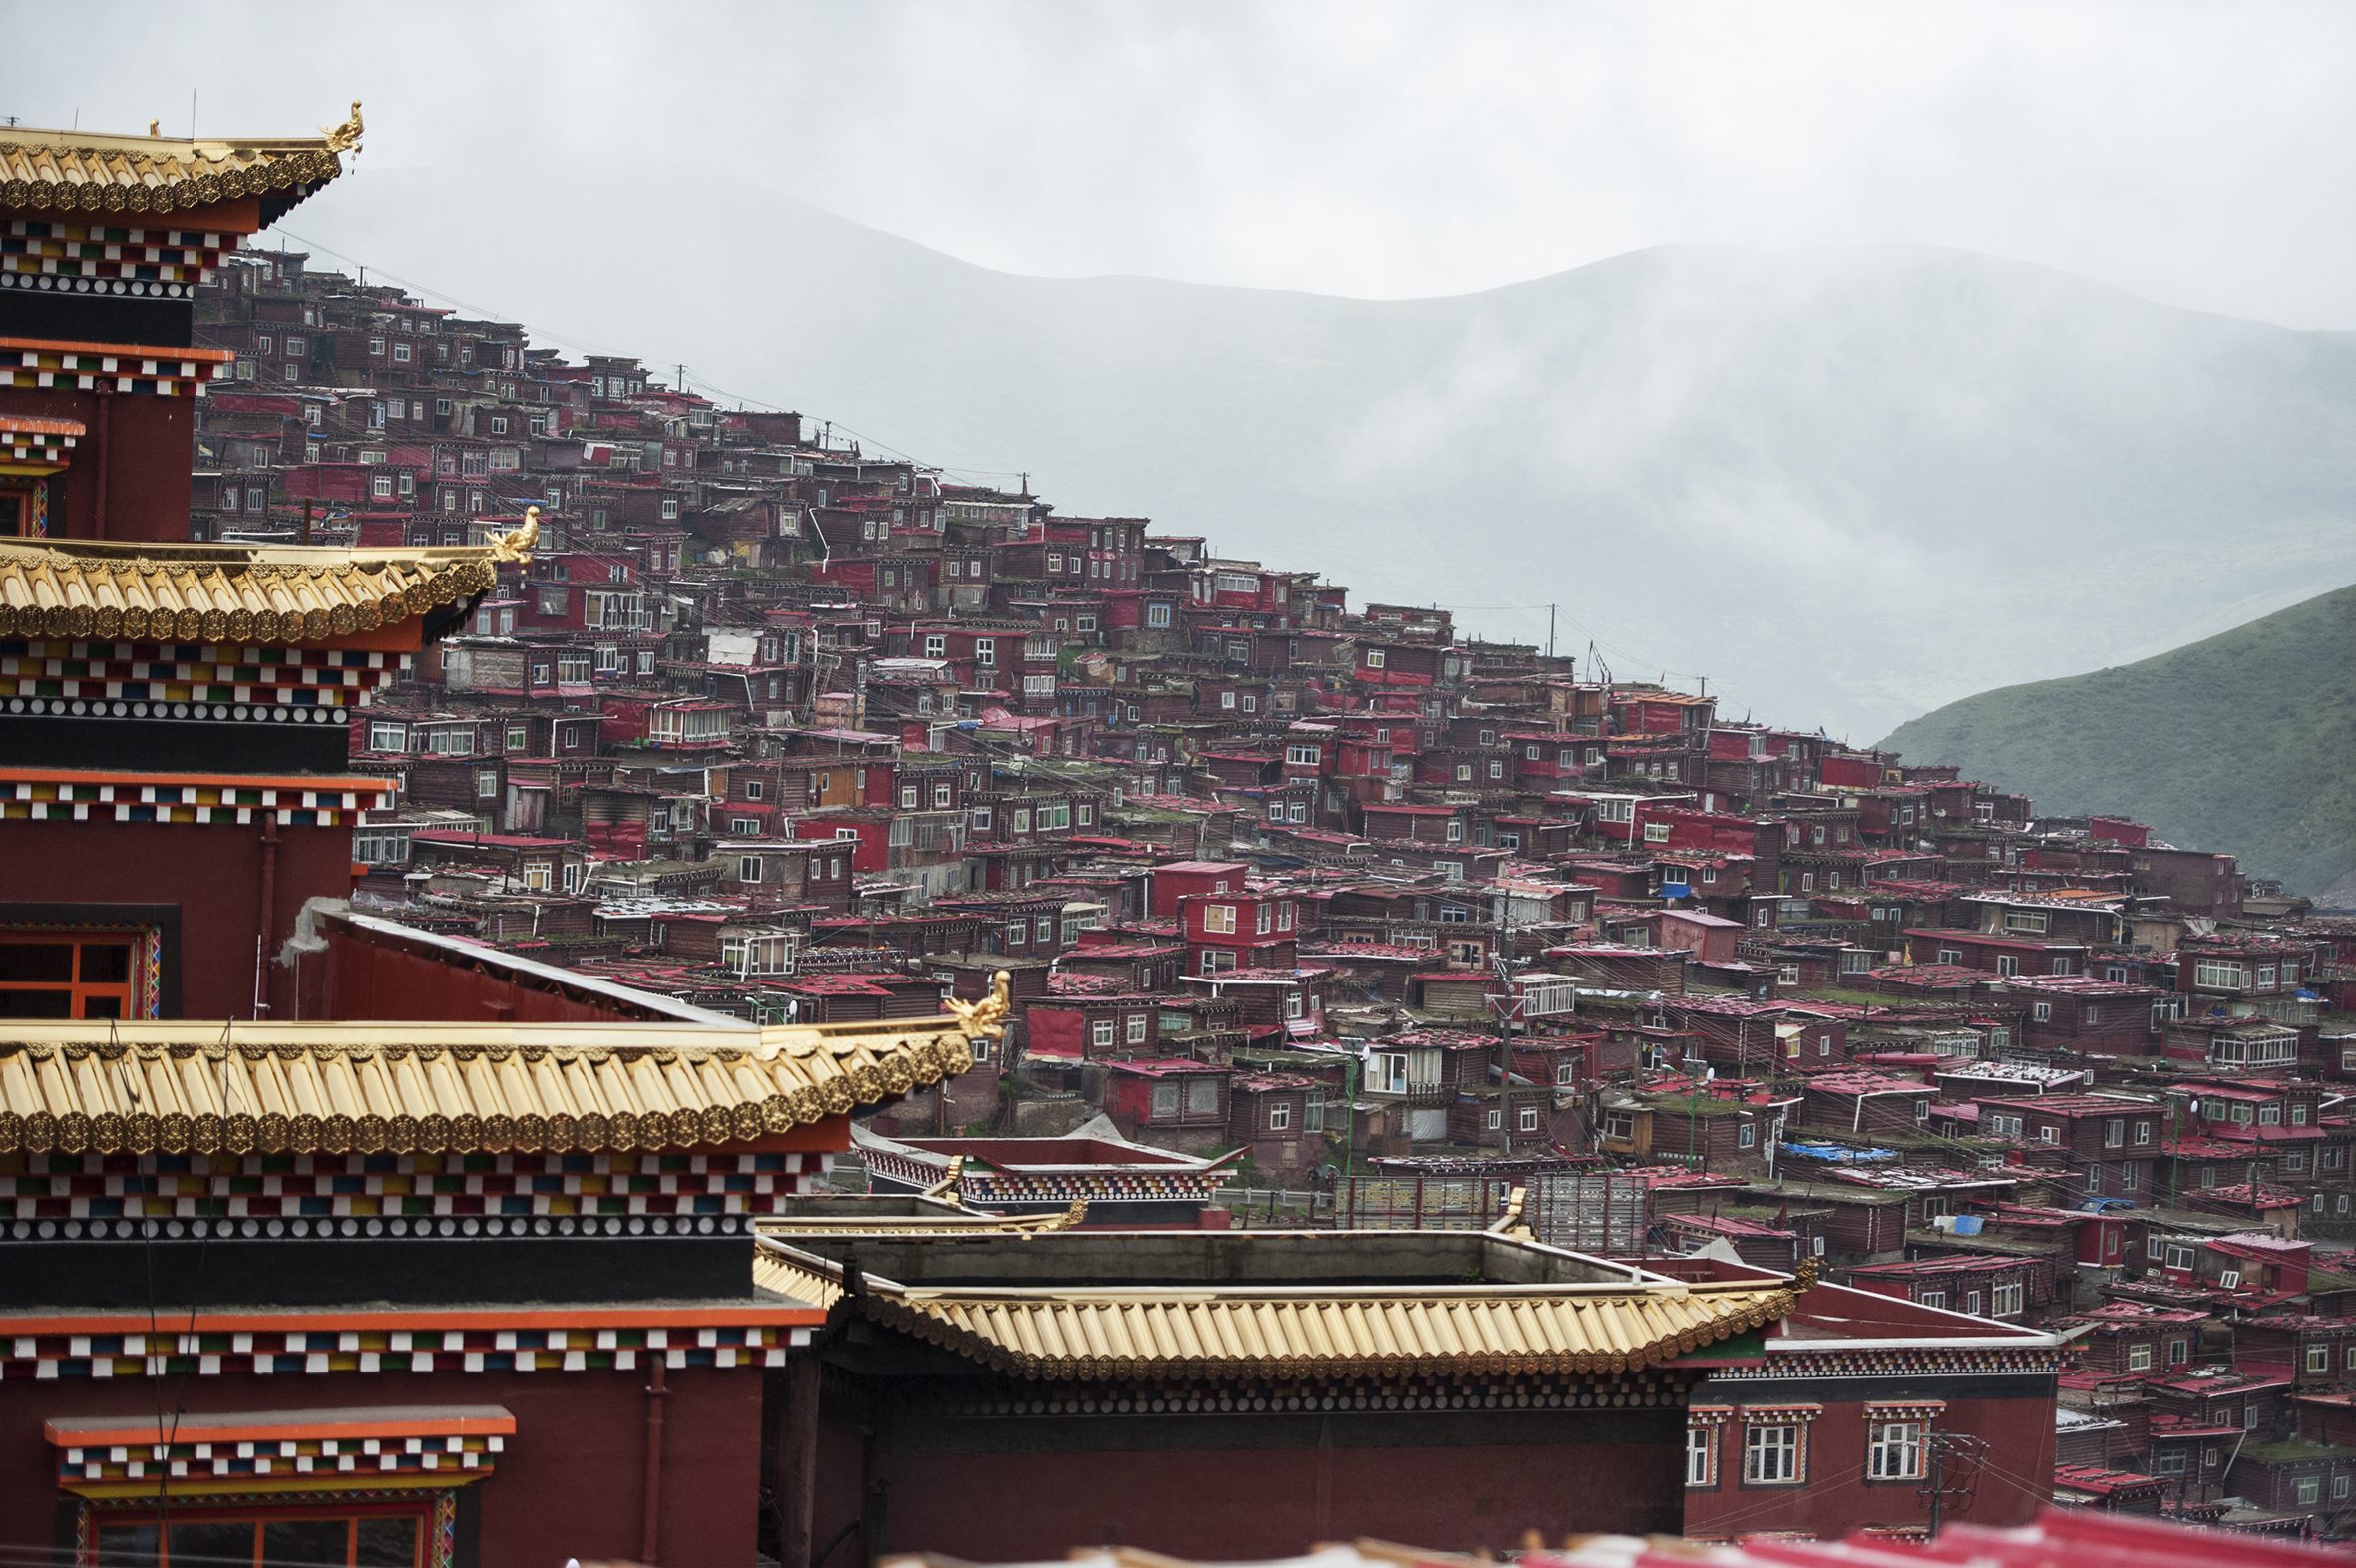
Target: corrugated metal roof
1294 1332
144 1088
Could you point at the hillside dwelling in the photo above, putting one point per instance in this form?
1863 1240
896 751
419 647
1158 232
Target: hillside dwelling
1861 1224
1238 930
2136 1338
1428 1072
1386 823
1731 1129
1867 1103
1995 954
1709 937
2093 922
1140 965
2277 1122
1180 879
1168 1104
1093 1028
1279 1120
2296 1477
786 873
2239 972
2256 1266
2250 1406
1612 965
2316 1352
2084 1016
1758 1243
517 862
683 726
1292 1001
2006 1289
1969 1080
2109 1142
2254 1045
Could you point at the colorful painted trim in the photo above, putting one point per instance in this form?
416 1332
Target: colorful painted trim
45 797
323 1186
166 263
174 673
1935 1360
181 372
135 1469
474 1348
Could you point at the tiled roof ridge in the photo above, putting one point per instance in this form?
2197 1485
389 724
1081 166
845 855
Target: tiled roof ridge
425 1087
88 171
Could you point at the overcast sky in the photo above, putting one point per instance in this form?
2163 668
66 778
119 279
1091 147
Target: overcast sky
2198 155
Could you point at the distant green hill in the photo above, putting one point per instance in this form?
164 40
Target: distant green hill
2244 743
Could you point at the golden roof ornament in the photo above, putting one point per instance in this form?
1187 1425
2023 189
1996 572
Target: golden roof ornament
986 1018
339 138
517 544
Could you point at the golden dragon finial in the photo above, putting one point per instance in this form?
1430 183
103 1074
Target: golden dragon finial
518 545
986 1018
344 137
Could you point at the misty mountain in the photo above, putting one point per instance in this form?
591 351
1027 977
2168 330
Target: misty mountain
2241 742
1845 484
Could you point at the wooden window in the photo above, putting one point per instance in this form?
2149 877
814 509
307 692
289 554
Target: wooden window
59 976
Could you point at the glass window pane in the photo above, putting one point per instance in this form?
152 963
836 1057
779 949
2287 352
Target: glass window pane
36 1003
302 1543
37 961
211 1543
387 1543
102 1006
106 965
127 1546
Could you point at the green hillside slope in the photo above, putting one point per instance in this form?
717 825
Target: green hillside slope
2245 742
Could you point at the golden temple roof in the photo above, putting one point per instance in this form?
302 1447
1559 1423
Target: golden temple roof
87 171
227 592
1306 1331
342 1088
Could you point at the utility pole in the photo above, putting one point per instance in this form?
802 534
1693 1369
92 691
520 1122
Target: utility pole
1971 1453
1506 1006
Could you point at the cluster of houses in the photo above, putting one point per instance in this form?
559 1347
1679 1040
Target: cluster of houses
1317 898
558 838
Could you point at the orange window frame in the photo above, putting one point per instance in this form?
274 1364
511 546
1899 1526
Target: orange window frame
79 991
118 1554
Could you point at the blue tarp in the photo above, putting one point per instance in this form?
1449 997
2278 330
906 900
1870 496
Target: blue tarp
1836 1153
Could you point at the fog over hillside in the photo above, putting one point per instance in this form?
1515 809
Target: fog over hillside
1846 484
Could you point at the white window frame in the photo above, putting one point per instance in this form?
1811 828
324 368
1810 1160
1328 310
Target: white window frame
1774 1453
1894 1452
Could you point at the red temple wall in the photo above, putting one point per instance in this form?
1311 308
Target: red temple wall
1259 1502
571 1483
211 871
